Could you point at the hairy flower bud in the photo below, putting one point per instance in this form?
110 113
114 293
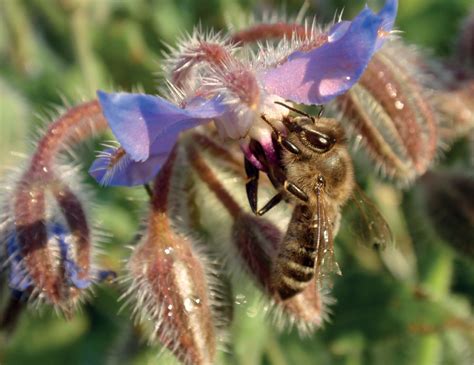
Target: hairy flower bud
169 284
193 51
44 225
389 113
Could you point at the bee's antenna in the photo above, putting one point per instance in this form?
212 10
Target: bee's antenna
270 124
296 110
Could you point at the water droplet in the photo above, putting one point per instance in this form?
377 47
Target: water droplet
170 307
371 225
191 303
252 312
188 305
168 250
399 105
326 235
348 78
240 299
392 92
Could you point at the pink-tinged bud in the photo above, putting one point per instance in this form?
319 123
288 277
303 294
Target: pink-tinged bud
257 241
291 36
307 310
308 37
237 85
450 206
390 113
44 224
241 85
194 51
169 283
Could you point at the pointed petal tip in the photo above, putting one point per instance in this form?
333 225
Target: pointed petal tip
318 76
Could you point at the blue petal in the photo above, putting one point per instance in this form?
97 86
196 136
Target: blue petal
388 14
138 120
70 267
19 280
318 76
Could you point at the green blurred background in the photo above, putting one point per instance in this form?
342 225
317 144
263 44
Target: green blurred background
410 306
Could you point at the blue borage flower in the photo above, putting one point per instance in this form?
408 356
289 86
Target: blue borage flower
61 247
19 279
148 126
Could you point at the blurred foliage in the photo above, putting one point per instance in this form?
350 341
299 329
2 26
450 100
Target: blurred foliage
410 305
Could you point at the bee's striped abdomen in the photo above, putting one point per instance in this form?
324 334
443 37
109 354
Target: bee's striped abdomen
294 265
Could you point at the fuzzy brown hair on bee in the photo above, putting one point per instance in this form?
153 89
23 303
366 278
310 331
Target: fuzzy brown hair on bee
315 173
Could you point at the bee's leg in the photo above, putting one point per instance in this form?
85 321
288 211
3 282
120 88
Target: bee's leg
295 190
252 184
289 146
292 189
270 204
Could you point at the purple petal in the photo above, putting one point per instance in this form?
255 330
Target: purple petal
19 280
138 120
317 76
388 14
71 268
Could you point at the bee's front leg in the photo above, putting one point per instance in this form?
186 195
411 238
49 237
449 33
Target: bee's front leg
252 184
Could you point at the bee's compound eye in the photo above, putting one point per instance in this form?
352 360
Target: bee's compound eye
317 140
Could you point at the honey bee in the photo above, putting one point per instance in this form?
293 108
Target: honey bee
315 173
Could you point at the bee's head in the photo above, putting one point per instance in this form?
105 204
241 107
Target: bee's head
320 136
316 133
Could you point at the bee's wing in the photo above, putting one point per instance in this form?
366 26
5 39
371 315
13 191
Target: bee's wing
366 222
324 222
